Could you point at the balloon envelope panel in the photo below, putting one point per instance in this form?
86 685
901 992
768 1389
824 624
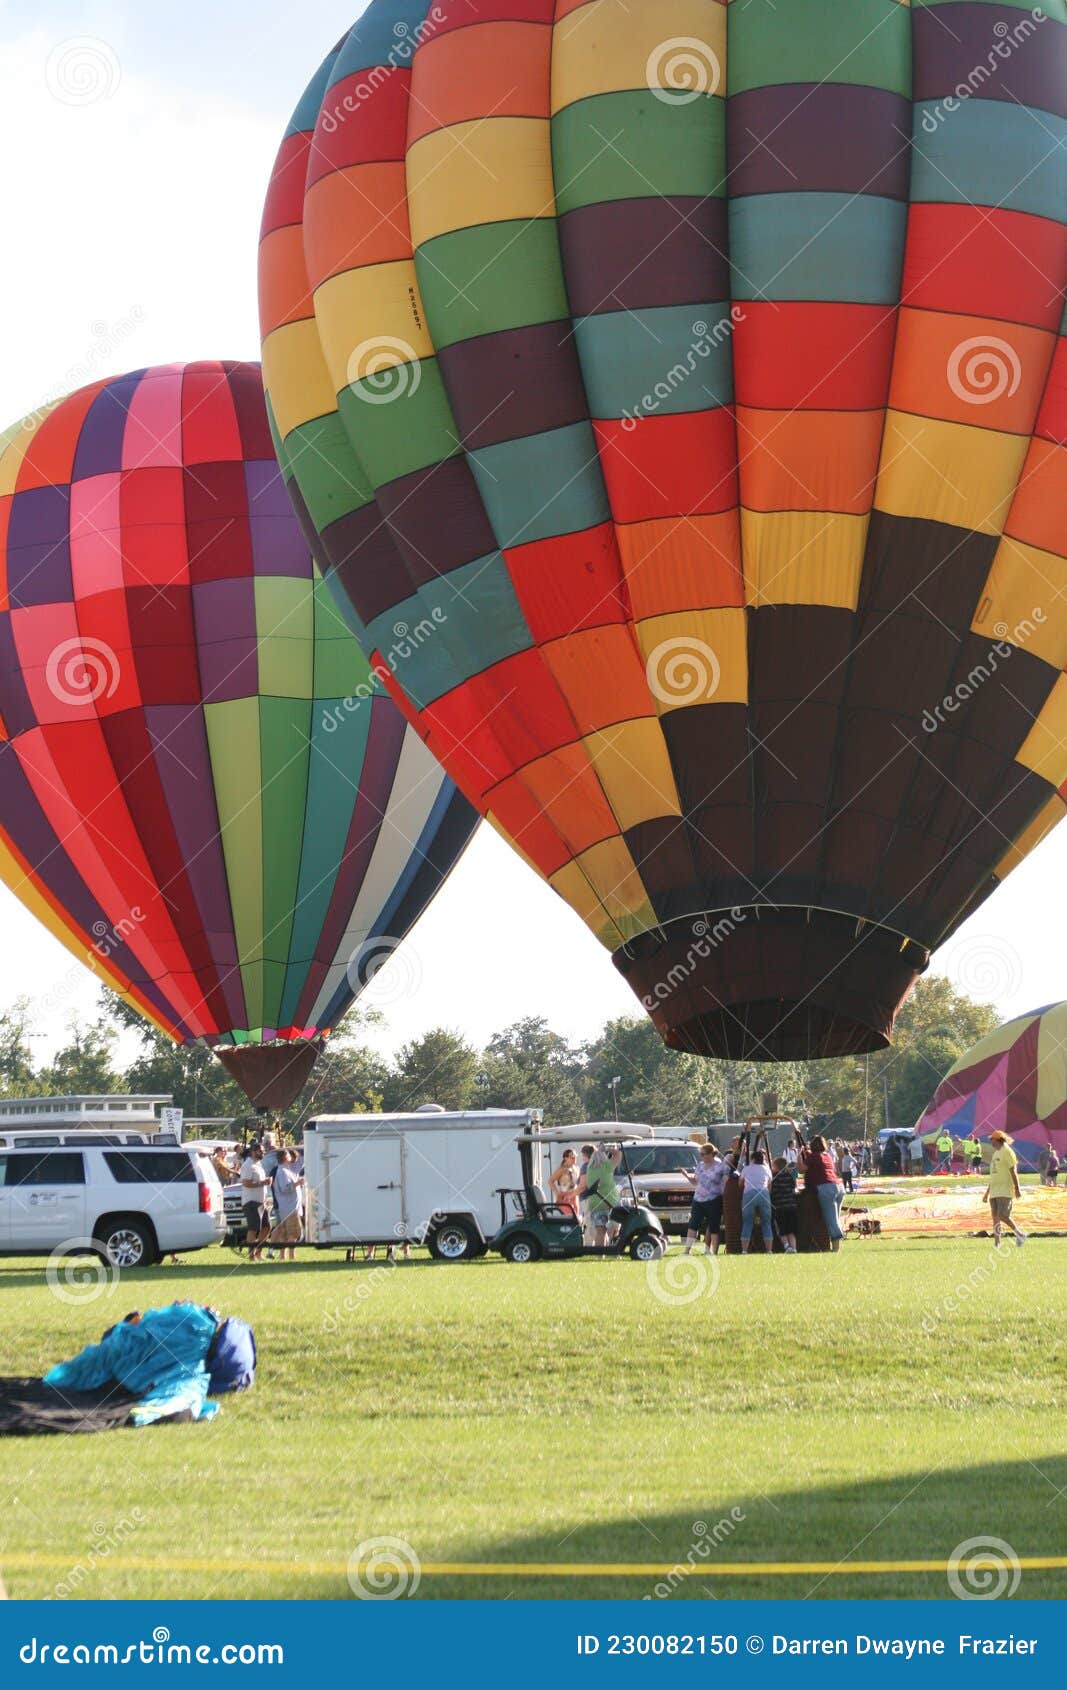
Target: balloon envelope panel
698 371
203 792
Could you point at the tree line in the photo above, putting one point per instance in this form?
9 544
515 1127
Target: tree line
625 1071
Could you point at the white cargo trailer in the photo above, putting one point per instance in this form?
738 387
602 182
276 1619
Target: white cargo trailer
433 1177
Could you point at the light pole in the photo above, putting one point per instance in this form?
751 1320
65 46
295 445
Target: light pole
615 1082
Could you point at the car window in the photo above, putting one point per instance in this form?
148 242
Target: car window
658 1159
55 1167
150 1167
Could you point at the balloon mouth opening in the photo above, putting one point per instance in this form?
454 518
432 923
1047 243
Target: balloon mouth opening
763 983
272 1076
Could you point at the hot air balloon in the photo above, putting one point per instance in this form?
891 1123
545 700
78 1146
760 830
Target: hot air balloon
204 794
700 366
1014 1080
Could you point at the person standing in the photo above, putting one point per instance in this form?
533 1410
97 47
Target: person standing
756 1200
944 1152
784 1203
820 1176
602 1192
1003 1187
847 1165
583 1201
289 1206
705 1214
255 1184
1052 1172
564 1183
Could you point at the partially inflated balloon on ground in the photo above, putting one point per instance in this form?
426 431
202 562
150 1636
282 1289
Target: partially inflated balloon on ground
1012 1081
204 793
699 368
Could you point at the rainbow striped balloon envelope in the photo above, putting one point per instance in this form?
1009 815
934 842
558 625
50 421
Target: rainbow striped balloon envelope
204 793
700 368
1014 1080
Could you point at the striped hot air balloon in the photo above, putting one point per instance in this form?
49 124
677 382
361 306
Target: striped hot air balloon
701 366
204 794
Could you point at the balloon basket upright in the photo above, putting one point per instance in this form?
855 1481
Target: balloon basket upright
812 1236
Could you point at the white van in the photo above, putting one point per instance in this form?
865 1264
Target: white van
129 1197
434 1177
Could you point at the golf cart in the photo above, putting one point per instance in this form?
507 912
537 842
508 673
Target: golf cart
532 1228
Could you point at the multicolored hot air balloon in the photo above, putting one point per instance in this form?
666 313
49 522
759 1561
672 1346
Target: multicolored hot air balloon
701 368
203 793
1014 1079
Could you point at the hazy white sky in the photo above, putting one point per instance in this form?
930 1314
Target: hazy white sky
137 140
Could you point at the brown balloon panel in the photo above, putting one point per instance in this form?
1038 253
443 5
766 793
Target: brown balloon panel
272 1076
767 984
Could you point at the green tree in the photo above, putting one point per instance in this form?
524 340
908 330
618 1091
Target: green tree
528 1066
440 1067
657 1085
17 1078
86 1063
349 1079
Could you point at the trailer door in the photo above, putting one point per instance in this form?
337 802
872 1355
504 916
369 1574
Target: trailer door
363 1189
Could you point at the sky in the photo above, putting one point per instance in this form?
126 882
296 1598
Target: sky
138 141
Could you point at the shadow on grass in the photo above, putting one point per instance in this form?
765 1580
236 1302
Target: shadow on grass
975 1523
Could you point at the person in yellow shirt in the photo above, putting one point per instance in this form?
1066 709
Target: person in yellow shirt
1003 1187
944 1152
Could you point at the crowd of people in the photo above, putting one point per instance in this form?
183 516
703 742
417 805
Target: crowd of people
272 1194
769 1192
588 1189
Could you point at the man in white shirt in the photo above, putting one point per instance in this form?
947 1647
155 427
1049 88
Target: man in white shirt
255 1187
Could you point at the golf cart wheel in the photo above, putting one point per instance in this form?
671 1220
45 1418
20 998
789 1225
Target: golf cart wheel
454 1241
126 1241
521 1248
647 1247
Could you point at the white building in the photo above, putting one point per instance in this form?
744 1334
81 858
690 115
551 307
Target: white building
138 1113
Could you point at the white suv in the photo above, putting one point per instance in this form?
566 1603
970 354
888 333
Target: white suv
129 1197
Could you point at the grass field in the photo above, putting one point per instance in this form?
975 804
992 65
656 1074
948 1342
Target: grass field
888 1403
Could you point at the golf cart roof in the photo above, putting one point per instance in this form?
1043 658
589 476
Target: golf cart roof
592 1132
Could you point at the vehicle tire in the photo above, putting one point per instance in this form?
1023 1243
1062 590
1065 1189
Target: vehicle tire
454 1241
521 1248
646 1247
126 1241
